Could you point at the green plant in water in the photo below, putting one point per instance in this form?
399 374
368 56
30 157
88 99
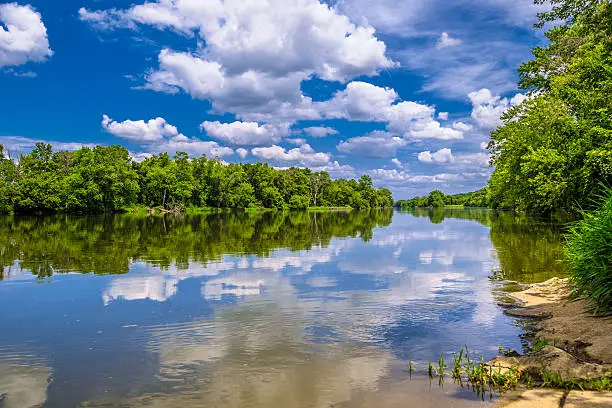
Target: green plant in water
431 370
441 365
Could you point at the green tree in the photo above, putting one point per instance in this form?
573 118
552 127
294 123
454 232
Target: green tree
100 179
298 202
435 199
318 183
554 151
41 185
8 180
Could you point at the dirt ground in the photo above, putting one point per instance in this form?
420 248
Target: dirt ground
573 343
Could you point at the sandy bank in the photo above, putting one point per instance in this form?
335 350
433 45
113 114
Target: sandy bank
567 342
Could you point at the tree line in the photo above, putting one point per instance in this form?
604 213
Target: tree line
436 199
106 179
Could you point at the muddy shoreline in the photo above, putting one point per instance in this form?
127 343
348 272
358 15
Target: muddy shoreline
564 340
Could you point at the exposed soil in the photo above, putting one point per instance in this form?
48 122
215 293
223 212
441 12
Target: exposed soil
567 340
572 333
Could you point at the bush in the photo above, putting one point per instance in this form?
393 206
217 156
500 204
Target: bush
589 255
298 202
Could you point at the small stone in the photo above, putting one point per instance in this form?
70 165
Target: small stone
510 353
527 312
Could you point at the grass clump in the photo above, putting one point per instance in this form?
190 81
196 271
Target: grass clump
555 380
589 256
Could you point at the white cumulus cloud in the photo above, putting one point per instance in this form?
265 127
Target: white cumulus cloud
444 155
242 153
157 135
23 35
362 101
487 108
463 127
252 55
320 131
377 144
140 131
245 133
303 155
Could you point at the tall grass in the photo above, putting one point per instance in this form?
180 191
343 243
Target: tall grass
589 255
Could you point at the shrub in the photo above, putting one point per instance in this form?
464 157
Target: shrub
589 255
298 202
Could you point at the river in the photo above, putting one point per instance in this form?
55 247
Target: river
253 310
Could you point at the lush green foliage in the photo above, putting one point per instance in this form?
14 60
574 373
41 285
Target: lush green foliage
436 199
105 179
554 150
8 172
589 255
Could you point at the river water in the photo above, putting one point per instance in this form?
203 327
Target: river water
257 310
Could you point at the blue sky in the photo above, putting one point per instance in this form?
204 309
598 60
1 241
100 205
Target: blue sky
406 92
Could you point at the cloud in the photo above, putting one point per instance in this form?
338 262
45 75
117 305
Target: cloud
447 41
23 35
250 95
298 141
473 159
140 131
181 70
140 157
16 145
106 19
252 56
192 146
443 115
377 144
396 162
454 79
319 131
276 37
242 153
157 135
394 176
245 133
487 108
463 127
303 155
337 170
362 101
441 156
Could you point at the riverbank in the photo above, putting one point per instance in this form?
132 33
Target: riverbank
570 350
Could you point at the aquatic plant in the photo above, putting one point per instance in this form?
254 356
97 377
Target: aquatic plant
431 370
486 378
441 365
